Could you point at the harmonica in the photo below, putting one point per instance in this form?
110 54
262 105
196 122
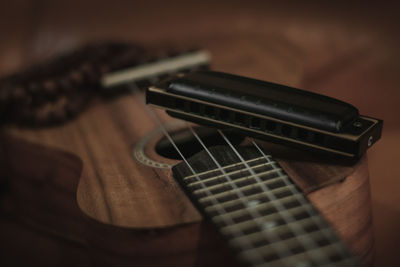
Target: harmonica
268 111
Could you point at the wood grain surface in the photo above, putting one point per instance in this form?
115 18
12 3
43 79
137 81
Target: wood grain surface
112 226
348 51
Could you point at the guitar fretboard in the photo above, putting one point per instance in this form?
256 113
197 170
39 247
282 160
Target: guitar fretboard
265 218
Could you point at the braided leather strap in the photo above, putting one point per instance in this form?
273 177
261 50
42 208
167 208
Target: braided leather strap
58 90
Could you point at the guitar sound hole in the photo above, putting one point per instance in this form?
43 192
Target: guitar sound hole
189 145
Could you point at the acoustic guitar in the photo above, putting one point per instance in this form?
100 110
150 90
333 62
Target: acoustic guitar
103 182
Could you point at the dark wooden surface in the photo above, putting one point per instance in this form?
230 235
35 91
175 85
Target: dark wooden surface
346 51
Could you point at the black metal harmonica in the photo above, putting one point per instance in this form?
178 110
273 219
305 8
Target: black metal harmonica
268 111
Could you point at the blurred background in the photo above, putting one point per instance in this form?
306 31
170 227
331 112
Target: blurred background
345 50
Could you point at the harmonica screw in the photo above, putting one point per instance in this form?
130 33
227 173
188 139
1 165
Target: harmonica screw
357 124
370 140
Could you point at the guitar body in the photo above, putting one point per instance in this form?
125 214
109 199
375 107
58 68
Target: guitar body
97 187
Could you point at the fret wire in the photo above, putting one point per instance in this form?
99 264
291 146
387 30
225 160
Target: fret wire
256 237
316 218
239 180
241 195
263 217
304 200
251 197
284 201
224 167
215 202
293 241
280 207
203 199
231 173
244 188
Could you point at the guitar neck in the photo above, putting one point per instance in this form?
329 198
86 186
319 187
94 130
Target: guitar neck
262 214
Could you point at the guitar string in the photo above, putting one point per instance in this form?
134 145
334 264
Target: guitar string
213 200
197 177
243 198
301 199
281 208
287 217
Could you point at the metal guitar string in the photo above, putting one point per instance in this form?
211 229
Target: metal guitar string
243 198
295 193
300 229
215 202
287 217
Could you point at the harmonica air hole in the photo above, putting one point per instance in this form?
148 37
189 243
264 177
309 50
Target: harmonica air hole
179 104
241 119
286 130
310 137
270 126
318 138
209 111
195 107
302 134
294 132
187 106
224 115
255 123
